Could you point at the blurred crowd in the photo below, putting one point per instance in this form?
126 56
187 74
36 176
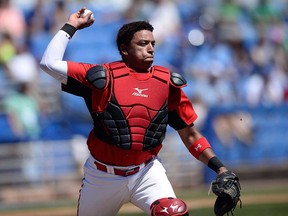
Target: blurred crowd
232 52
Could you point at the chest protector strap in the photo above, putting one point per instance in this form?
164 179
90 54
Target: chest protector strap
136 116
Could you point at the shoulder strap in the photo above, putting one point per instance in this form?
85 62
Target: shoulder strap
161 73
118 69
164 74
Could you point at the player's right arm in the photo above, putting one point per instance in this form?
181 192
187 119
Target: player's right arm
52 60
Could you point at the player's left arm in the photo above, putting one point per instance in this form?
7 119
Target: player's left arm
226 186
200 148
182 117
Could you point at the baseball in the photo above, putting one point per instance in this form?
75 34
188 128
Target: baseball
86 11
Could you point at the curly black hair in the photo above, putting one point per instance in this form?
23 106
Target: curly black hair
127 31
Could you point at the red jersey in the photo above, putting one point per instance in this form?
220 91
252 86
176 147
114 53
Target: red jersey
180 112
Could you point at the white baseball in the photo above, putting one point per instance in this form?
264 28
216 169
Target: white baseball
86 11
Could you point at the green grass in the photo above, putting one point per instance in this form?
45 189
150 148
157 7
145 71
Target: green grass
247 189
248 209
279 209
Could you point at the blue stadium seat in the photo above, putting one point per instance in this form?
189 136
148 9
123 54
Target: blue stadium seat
39 43
6 132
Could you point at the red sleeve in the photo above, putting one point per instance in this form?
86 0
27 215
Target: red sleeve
77 71
181 111
77 83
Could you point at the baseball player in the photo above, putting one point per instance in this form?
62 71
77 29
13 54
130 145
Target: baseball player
131 102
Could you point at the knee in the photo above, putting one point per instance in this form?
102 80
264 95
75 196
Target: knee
168 207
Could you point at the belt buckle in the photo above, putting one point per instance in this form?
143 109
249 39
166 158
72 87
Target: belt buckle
131 171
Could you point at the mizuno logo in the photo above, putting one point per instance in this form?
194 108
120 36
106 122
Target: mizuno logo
138 92
174 207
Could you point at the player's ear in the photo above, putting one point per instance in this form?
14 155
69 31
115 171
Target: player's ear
124 49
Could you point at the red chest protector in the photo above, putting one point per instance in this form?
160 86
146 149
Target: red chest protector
136 116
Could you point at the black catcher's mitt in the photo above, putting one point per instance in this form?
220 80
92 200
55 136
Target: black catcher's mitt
227 188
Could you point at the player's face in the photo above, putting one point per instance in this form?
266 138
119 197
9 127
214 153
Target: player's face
139 55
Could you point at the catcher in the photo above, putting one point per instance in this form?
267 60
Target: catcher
131 102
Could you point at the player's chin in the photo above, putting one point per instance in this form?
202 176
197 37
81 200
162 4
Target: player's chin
149 61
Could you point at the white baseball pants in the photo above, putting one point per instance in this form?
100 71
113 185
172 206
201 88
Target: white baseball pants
104 194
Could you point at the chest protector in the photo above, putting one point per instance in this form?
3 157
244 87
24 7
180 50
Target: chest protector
136 116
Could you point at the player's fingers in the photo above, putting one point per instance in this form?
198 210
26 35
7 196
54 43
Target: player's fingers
81 11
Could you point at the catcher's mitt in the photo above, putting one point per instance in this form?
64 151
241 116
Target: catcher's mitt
227 188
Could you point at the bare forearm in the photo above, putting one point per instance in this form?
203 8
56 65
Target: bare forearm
215 163
200 148
206 155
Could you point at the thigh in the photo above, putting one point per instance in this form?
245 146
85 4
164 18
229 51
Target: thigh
101 193
152 185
